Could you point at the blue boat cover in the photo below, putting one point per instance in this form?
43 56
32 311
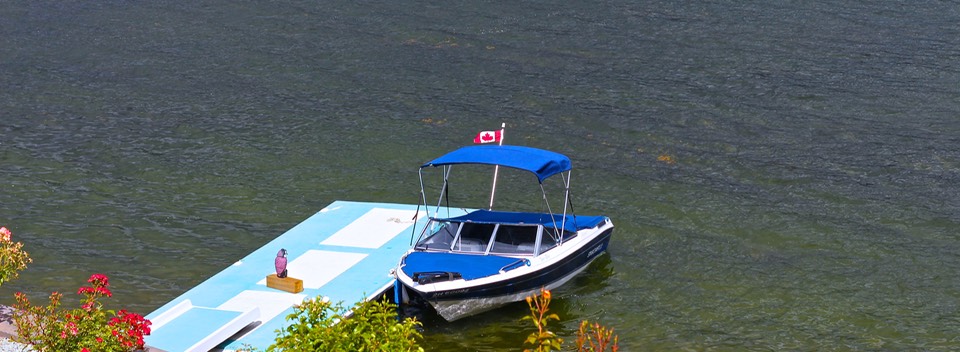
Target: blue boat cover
470 266
573 223
542 163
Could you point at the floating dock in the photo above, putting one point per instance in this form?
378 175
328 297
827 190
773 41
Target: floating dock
345 251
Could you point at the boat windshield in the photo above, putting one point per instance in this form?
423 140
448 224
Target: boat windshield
515 239
439 235
485 238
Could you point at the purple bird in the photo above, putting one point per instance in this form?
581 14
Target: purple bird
281 263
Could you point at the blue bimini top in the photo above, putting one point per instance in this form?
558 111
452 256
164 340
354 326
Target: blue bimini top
542 163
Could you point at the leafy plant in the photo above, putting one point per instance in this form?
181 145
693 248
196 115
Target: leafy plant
596 338
13 258
87 328
543 340
590 338
318 325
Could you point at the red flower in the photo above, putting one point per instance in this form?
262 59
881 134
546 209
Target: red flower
127 329
99 280
101 291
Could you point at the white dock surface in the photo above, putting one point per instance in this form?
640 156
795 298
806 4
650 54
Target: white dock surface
344 252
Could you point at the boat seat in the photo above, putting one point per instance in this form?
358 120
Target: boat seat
469 245
503 248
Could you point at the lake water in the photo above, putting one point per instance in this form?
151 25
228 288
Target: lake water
783 175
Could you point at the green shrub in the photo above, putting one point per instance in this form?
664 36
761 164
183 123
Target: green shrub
85 329
318 325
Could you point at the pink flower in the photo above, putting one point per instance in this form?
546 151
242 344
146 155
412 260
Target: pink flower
72 327
5 234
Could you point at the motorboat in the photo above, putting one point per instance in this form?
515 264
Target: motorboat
467 261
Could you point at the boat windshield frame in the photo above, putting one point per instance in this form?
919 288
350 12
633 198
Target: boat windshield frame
452 236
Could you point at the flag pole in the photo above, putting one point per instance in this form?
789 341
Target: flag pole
496 169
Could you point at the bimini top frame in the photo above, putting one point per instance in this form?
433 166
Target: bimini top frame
542 163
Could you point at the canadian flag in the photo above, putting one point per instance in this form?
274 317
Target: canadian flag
487 137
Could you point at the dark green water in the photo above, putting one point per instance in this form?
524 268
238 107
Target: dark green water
813 202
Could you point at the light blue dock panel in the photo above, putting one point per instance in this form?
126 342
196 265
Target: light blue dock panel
344 252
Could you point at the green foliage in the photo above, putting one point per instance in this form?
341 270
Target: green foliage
85 329
318 325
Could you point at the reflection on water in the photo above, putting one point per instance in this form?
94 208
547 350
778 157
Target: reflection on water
504 329
811 201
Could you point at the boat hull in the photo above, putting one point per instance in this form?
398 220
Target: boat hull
470 299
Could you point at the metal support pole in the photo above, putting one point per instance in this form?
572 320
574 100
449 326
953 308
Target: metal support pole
496 169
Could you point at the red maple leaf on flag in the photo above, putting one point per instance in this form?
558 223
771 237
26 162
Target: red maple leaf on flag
487 137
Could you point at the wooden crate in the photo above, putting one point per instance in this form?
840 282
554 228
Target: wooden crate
288 284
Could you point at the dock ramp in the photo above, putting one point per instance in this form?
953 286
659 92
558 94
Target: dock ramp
344 252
